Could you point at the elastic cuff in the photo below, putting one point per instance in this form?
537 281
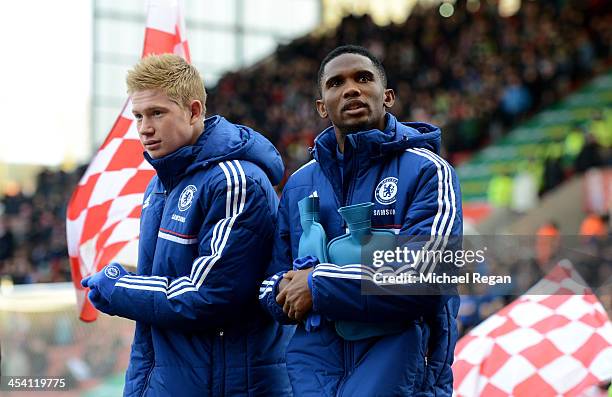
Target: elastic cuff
313 292
270 304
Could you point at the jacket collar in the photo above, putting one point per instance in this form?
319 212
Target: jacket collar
220 141
172 167
365 149
366 145
373 144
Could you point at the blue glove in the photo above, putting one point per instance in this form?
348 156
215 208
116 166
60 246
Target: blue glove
313 321
102 284
99 303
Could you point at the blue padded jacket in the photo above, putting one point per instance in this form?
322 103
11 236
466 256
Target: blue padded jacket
424 200
206 232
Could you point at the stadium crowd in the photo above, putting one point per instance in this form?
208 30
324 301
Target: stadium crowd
33 230
475 75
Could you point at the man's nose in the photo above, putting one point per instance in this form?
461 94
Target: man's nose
145 127
351 90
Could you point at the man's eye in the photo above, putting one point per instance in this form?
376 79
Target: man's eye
138 117
157 113
364 79
334 83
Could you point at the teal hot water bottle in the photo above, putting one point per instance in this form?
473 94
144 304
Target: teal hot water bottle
312 248
347 250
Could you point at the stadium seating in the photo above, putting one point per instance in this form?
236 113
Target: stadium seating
534 138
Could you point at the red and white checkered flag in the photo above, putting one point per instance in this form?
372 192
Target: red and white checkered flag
104 210
539 345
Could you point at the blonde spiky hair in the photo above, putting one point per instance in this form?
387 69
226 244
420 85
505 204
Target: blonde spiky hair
179 80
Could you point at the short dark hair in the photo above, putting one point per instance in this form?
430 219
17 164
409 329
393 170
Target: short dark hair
351 49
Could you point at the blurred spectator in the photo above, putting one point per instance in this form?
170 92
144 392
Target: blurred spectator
515 99
13 198
594 225
553 173
572 146
547 246
500 191
524 191
589 156
601 127
7 241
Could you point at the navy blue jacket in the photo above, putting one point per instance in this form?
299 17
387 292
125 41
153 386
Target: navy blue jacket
424 201
206 231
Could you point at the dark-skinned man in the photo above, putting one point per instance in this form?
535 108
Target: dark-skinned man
364 149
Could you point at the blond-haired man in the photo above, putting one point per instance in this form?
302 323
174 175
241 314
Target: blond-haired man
206 230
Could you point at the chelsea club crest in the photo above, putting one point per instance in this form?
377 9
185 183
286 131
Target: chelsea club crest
386 191
186 198
111 271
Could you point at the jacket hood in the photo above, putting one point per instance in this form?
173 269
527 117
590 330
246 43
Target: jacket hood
220 141
396 137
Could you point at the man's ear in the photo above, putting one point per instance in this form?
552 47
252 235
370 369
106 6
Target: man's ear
197 111
389 98
321 108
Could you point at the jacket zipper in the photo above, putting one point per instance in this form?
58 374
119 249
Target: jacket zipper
348 365
348 345
146 385
351 186
221 334
150 371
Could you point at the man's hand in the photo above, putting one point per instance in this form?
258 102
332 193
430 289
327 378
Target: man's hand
281 286
295 296
280 298
101 286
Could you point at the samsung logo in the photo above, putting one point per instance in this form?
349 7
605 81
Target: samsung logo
178 218
388 211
